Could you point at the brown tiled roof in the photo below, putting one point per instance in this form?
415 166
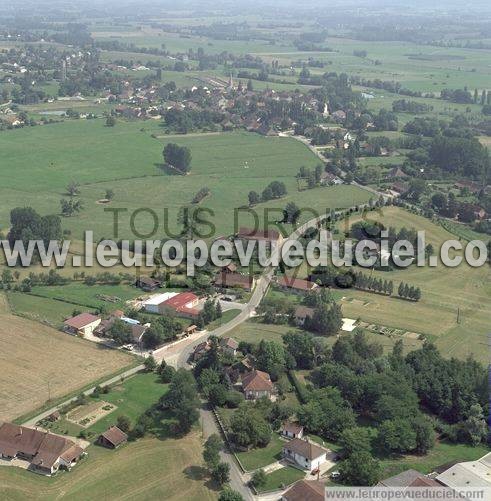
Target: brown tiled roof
115 436
232 279
72 454
306 490
304 448
296 283
44 446
256 381
14 439
253 234
229 342
80 321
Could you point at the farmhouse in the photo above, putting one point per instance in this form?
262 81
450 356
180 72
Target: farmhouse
46 452
305 490
81 325
112 438
229 346
232 279
301 314
292 430
304 453
200 350
396 173
257 384
296 285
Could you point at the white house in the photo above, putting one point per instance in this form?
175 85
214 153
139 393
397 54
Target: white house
292 430
305 454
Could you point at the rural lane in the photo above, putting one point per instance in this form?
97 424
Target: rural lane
178 355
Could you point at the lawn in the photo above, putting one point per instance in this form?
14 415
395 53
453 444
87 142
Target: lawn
149 468
254 331
226 317
262 456
281 478
39 363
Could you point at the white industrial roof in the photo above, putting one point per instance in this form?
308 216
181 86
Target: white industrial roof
468 474
159 298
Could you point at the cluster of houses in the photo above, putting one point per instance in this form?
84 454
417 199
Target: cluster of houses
86 325
460 478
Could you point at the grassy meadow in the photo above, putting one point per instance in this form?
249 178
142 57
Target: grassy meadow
445 291
42 161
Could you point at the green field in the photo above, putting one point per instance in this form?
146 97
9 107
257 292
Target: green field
445 290
40 308
44 160
89 296
418 67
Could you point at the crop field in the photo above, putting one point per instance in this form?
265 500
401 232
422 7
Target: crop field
125 158
39 363
446 291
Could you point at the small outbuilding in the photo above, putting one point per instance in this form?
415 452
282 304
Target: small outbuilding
112 438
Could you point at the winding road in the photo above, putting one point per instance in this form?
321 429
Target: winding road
178 354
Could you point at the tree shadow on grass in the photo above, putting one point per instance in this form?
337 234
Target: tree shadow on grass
196 472
167 169
199 474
